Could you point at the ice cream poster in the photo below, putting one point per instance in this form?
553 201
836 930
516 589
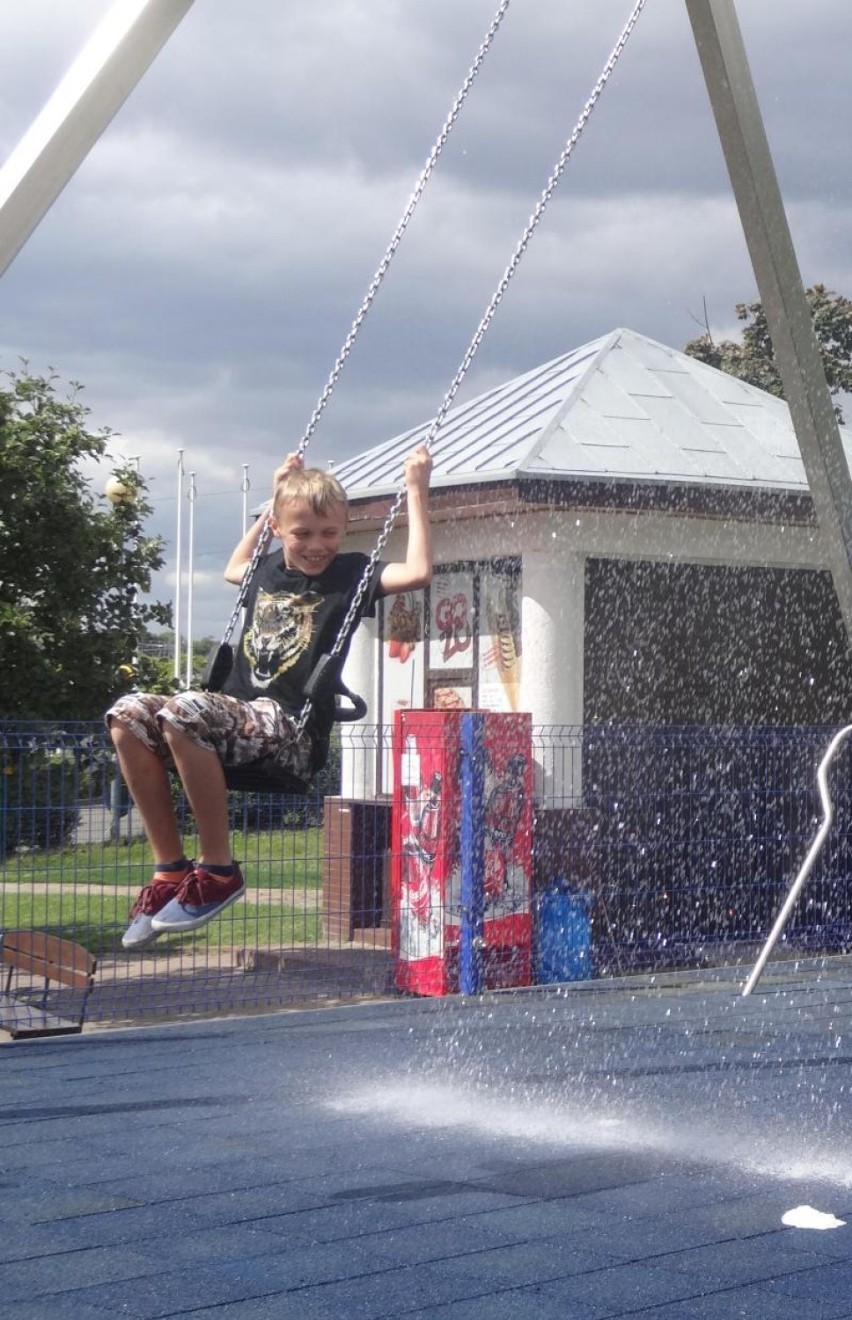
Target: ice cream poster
404 626
403 660
499 642
451 622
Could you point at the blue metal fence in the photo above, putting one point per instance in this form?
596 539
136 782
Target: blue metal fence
699 833
682 843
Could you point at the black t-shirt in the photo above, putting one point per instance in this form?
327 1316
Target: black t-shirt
292 620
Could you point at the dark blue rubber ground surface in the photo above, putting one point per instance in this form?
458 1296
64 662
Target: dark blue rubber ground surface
620 1149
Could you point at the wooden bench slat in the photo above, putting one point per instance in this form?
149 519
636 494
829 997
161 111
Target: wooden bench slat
47 958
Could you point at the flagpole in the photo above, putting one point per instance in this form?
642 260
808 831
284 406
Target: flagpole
245 488
178 555
191 496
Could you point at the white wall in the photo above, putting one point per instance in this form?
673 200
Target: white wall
553 546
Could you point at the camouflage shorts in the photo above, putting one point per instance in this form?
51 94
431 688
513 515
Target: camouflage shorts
237 731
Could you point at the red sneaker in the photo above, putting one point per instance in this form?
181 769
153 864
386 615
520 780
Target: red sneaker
163 888
201 897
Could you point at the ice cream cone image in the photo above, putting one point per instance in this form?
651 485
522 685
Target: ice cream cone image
505 648
403 627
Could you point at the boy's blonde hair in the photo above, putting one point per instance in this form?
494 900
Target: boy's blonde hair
312 486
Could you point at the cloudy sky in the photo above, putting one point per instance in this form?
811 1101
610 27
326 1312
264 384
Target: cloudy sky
201 270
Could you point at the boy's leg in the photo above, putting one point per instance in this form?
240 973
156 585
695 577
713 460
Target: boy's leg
148 783
203 778
203 732
198 726
150 735
216 881
135 733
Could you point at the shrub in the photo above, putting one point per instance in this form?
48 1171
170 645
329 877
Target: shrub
38 802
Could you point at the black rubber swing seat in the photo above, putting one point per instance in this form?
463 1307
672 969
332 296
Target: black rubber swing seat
254 777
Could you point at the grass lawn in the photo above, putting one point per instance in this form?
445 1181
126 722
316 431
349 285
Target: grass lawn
97 921
270 860
78 901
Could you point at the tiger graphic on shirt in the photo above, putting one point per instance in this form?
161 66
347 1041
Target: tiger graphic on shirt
280 633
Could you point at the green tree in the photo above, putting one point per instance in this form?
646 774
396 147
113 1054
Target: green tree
153 674
73 569
154 664
753 359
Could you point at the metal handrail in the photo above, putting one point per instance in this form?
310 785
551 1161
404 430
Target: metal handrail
806 867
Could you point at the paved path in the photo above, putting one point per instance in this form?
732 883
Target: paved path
619 1149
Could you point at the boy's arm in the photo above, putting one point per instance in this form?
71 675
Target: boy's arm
416 569
242 554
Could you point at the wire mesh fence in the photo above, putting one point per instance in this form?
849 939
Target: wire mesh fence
692 836
682 843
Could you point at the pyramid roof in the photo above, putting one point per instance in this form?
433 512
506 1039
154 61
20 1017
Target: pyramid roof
621 408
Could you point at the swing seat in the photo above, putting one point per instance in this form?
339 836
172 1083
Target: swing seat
254 777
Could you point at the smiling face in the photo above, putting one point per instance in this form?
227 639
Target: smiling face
310 539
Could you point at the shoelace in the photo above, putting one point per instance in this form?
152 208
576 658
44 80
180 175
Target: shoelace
192 891
156 895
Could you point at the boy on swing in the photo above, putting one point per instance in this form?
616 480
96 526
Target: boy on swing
295 605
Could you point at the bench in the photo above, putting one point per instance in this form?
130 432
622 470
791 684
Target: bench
35 961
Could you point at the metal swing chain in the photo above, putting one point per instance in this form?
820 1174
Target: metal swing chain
403 224
481 330
381 271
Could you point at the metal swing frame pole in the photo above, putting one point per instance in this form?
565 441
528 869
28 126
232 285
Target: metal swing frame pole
755 185
736 109
116 57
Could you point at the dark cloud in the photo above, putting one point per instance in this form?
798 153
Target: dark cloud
202 269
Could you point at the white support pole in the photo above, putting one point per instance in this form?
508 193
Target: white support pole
357 741
192 495
552 677
245 487
758 196
96 86
178 564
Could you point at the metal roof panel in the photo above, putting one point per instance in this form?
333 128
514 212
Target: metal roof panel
622 405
